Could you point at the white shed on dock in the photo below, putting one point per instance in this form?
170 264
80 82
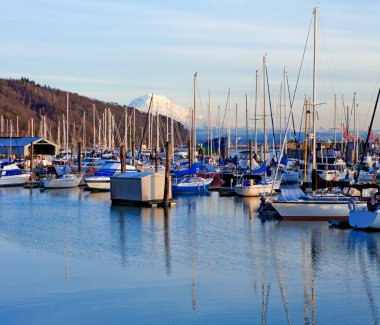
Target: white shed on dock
138 188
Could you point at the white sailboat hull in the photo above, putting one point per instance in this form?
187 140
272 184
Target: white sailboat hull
254 190
64 182
312 210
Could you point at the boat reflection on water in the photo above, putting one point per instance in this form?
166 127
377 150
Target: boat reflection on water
250 204
365 248
98 196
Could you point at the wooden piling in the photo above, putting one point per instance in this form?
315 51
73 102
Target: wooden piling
123 158
133 153
167 174
250 154
32 160
155 160
79 156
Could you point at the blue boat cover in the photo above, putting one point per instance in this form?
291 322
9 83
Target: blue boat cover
62 170
190 171
261 169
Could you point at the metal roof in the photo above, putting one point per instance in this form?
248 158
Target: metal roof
20 142
134 175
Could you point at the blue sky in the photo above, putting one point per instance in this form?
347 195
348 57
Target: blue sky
118 50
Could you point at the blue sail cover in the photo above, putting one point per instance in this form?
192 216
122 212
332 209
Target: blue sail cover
190 171
261 169
62 170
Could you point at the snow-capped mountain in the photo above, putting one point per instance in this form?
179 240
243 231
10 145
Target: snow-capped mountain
164 106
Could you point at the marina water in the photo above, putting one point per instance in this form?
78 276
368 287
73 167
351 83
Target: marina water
69 256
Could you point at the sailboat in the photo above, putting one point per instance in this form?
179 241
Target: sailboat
294 204
64 178
256 185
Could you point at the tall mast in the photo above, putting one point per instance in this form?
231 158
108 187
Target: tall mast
67 123
93 126
229 124
157 131
219 141
172 127
335 121
315 99
194 141
257 81
236 139
280 109
246 119
264 106
356 130
84 133
209 124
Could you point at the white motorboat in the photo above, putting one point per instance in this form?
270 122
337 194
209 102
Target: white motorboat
101 181
361 217
191 185
12 175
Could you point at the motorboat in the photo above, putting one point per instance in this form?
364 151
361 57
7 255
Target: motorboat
191 184
365 215
12 175
101 180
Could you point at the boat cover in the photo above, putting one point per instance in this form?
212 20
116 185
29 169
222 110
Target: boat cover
190 171
261 169
62 170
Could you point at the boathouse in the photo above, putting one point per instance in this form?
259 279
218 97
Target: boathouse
20 147
134 188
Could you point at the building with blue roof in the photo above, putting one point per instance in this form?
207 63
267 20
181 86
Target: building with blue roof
20 147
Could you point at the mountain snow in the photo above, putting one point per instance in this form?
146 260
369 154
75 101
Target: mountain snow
164 106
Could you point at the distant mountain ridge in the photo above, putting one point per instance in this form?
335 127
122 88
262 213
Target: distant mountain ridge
22 100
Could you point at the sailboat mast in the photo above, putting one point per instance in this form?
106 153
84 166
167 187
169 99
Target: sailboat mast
194 142
229 124
335 121
246 119
67 123
236 139
257 81
264 107
93 125
315 96
356 107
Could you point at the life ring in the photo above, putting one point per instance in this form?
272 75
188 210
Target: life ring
351 205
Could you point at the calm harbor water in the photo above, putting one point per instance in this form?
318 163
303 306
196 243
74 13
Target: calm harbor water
69 256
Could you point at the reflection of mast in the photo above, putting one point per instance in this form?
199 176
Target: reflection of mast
281 284
312 273
305 294
123 249
265 289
